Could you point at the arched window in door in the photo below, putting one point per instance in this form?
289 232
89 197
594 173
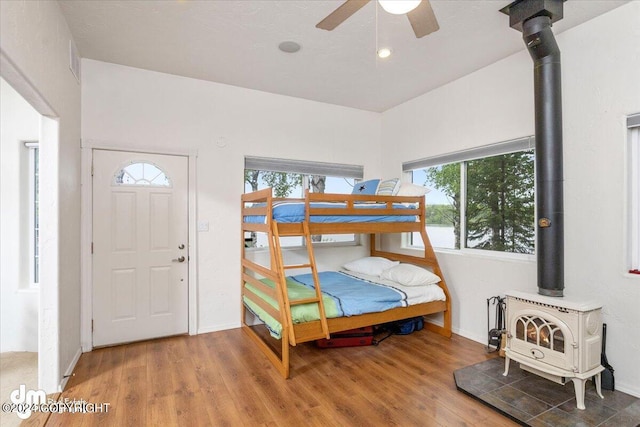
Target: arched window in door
141 173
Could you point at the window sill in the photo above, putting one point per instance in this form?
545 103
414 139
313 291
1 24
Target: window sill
478 253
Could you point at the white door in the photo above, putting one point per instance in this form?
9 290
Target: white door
140 247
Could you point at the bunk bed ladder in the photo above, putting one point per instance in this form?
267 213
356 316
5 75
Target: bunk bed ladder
316 281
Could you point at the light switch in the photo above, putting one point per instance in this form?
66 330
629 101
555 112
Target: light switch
203 225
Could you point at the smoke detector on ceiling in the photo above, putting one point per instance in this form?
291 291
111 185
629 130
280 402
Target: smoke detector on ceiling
289 47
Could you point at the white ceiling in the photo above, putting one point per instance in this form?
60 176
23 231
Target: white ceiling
236 43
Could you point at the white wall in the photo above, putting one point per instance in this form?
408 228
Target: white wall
18 300
34 41
601 85
132 108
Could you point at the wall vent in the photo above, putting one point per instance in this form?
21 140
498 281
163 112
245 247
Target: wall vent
74 60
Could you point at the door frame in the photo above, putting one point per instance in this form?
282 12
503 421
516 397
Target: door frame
86 312
50 377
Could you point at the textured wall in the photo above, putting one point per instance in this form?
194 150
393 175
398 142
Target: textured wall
35 38
19 303
133 108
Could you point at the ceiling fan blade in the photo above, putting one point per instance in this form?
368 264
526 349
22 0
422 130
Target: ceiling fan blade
339 15
423 20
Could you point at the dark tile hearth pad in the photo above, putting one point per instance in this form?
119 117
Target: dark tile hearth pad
537 402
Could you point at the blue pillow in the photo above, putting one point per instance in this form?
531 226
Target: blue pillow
366 187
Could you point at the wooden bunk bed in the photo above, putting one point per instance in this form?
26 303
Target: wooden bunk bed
261 205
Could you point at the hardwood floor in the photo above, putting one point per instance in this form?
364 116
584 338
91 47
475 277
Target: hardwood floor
221 379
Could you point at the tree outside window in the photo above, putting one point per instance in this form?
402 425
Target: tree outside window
485 203
282 183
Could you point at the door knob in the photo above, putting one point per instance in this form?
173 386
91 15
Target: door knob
179 259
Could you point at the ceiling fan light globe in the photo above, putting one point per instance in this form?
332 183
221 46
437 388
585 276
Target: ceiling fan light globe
399 7
384 52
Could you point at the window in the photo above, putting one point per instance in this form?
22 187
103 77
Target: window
633 124
480 199
34 217
142 174
290 178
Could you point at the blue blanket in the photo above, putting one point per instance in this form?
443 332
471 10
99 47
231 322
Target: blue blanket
294 212
353 295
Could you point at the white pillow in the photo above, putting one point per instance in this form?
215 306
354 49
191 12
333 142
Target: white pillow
409 189
410 275
373 266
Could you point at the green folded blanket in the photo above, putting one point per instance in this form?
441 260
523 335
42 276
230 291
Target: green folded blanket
299 313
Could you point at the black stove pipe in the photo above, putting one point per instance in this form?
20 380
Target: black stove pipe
534 19
545 53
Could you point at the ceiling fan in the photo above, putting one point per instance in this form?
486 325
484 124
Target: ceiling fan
419 12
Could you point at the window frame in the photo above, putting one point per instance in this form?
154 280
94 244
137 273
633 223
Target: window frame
306 169
506 147
33 215
633 232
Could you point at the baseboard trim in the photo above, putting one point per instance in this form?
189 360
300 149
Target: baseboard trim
628 388
69 371
223 327
471 336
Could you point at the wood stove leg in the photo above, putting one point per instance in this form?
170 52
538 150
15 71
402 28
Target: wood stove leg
578 384
506 365
598 381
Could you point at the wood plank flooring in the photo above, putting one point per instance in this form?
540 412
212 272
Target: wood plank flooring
221 379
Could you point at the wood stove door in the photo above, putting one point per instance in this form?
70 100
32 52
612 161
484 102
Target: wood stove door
542 337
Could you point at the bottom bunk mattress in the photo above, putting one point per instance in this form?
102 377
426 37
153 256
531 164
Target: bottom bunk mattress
344 294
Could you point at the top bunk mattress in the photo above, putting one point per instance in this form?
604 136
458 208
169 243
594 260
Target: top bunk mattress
293 212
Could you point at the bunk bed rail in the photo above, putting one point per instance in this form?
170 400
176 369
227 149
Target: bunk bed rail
360 205
328 213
